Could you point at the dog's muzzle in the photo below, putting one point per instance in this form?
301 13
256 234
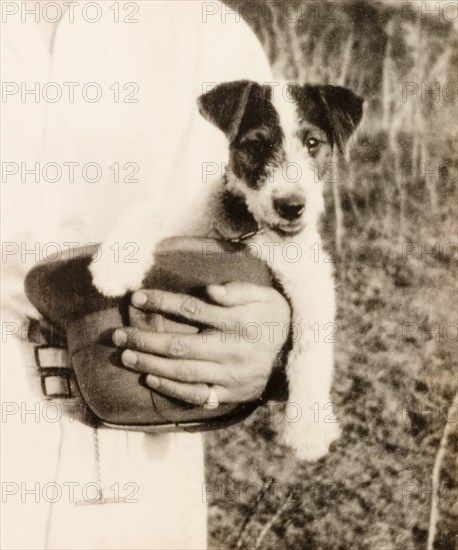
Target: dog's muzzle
290 208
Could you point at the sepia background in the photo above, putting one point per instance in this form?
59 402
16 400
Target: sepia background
390 482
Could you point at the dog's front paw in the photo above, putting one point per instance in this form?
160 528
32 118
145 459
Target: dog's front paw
311 440
113 278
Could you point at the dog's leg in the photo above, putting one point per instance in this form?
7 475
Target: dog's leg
311 425
127 254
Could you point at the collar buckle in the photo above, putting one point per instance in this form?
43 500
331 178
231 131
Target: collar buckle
245 236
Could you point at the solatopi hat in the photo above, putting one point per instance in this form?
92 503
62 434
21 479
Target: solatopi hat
63 293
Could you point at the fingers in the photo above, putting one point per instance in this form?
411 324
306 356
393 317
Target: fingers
196 394
191 372
179 305
168 344
237 293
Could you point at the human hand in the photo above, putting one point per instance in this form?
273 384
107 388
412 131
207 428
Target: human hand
244 330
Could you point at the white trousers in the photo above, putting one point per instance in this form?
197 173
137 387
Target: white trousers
52 471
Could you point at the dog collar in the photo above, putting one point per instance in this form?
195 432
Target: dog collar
245 236
239 238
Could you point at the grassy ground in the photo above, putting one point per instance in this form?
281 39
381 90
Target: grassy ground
394 384
396 356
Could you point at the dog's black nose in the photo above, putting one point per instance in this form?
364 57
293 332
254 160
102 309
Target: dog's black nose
290 208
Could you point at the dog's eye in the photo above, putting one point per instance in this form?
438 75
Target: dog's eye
312 144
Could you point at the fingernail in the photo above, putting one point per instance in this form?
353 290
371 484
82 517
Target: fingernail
218 290
129 358
139 298
119 337
152 380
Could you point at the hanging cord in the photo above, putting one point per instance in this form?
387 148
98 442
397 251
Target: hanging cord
98 475
98 471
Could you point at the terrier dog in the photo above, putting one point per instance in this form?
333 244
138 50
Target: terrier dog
280 149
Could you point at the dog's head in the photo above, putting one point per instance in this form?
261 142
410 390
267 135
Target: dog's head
281 141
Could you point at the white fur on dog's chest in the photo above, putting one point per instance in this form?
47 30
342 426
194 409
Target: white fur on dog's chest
309 286
304 279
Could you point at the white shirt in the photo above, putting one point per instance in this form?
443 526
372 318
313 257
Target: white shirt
165 61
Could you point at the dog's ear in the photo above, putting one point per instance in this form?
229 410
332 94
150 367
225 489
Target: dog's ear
226 104
345 111
335 109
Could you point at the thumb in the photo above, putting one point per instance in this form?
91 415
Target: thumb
236 293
